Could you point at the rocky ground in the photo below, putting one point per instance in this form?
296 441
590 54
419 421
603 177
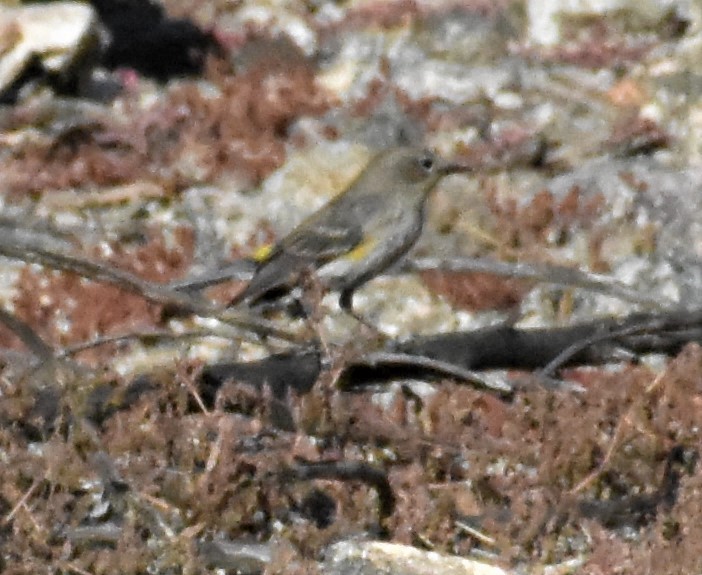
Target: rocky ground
127 172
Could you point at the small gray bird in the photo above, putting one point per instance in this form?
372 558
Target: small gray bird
359 233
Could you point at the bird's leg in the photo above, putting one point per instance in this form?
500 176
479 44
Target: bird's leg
346 304
287 303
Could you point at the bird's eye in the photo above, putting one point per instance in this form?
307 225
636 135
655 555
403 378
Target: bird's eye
426 163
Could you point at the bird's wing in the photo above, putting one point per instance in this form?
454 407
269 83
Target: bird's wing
313 246
322 242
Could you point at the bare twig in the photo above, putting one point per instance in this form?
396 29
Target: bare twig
22 502
554 274
406 360
16 247
27 335
637 325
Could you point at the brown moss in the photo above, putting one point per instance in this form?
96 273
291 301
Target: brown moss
185 137
220 471
595 42
64 309
544 220
475 291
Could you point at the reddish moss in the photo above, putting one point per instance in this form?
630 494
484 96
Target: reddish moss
64 309
475 291
186 137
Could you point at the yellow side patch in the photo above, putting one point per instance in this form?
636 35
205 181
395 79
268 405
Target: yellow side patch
361 251
262 253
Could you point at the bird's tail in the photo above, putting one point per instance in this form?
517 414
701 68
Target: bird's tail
274 278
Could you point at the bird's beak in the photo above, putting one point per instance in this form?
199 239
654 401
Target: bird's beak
447 169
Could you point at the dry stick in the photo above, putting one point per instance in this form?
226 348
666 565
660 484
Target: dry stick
22 502
76 569
30 252
192 389
554 274
421 362
242 269
675 320
143 336
27 335
130 336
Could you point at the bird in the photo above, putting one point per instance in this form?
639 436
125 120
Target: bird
356 235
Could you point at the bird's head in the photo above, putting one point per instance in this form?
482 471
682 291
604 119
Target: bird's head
413 170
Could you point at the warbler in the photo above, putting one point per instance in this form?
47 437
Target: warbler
359 233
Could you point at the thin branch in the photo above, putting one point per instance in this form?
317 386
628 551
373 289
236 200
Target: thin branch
554 274
17 248
142 336
673 321
406 360
242 269
22 502
27 335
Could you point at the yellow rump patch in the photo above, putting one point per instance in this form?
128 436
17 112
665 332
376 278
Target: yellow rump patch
262 253
361 251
